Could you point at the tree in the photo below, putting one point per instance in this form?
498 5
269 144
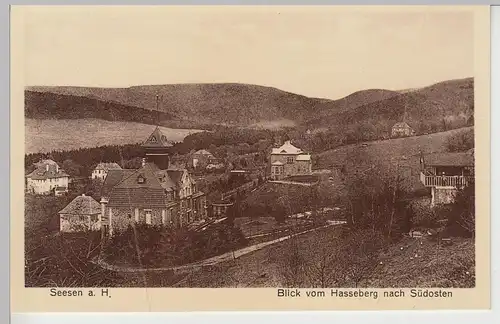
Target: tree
461 141
72 168
462 217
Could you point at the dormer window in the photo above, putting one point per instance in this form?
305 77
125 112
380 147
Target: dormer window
141 179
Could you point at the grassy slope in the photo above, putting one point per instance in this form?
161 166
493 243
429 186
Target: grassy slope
263 268
49 134
386 153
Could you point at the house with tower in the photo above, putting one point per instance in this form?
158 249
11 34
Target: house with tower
154 194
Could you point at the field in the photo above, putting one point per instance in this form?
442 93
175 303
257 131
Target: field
387 153
49 135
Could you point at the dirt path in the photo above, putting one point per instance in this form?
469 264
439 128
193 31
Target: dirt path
305 184
207 262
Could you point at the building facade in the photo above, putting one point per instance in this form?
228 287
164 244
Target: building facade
289 160
101 170
46 178
402 130
81 214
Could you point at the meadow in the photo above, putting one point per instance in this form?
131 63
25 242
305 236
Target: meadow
67 134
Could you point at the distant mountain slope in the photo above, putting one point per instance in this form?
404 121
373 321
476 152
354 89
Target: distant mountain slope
47 105
427 109
244 104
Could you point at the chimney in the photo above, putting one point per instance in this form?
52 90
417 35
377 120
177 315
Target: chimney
143 164
104 201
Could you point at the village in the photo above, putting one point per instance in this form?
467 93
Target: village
163 195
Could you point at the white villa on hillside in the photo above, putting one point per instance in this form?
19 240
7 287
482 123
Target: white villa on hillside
101 170
47 178
288 160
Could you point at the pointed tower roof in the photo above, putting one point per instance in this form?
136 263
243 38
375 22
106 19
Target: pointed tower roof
157 139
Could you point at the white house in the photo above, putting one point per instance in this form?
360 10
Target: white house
47 178
288 160
101 170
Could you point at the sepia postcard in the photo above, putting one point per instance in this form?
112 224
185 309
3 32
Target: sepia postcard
198 158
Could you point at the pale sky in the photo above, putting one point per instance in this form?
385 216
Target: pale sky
314 51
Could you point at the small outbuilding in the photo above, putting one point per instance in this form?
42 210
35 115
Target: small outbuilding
81 214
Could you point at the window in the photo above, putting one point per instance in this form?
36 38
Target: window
141 179
153 139
289 159
93 218
82 218
148 216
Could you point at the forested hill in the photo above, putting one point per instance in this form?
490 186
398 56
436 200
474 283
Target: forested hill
427 109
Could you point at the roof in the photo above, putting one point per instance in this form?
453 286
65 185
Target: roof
44 162
303 157
139 188
286 148
144 187
82 205
113 178
157 139
108 166
277 163
175 175
203 152
401 125
449 159
47 171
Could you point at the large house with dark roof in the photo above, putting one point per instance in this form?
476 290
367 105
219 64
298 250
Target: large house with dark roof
445 173
153 194
47 178
288 160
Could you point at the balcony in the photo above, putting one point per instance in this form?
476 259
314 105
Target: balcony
430 180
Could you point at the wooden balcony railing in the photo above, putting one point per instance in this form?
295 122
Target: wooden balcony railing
444 181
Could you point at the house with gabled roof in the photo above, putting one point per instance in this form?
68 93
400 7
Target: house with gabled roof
46 178
81 214
101 170
402 129
202 158
152 196
288 160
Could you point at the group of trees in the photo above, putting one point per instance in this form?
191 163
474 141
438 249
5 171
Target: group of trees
66 260
156 246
